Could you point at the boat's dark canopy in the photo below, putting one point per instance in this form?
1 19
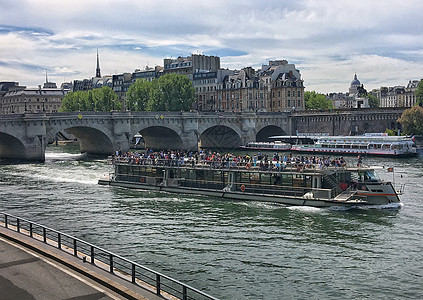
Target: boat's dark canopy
295 139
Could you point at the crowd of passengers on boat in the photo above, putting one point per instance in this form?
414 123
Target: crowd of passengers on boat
260 161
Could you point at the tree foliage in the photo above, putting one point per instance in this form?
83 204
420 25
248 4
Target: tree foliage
137 95
315 100
169 92
412 120
102 99
419 93
373 100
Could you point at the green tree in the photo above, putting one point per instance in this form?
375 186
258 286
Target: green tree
105 99
102 99
171 92
373 100
412 120
419 93
72 101
138 94
315 100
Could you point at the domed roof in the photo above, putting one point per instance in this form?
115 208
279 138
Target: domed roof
355 82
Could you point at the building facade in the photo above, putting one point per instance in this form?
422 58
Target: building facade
148 74
121 84
190 65
275 87
20 99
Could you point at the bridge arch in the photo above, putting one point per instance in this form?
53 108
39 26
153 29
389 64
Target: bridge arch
11 147
161 137
91 140
267 131
219 137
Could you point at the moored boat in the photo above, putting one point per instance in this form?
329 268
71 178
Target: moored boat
368 144
286 183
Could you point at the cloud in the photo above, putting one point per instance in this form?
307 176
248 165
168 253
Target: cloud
327 40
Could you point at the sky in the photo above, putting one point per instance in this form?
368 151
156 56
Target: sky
328 41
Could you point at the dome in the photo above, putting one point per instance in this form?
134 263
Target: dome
355 82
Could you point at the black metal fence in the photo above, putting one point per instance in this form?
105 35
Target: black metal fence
137 274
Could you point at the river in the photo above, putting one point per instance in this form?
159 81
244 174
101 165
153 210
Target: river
232 249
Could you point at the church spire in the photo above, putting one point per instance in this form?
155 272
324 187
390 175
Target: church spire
46 77
97 71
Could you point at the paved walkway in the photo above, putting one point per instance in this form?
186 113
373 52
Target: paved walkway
27 273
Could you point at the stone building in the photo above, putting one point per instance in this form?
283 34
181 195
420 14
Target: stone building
398 96
121 84
355 84
241 91
20 99
205 85
287 87
275 87
389 97
190 65
350 99
408 97
148 73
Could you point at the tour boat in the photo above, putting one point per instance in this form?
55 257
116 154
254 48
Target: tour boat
368 144
275 146
289 184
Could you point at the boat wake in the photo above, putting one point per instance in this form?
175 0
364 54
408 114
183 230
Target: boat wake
368 207
305 208
52 156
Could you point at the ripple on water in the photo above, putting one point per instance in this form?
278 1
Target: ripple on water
233 250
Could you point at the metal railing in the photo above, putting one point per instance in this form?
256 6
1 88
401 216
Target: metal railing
137 274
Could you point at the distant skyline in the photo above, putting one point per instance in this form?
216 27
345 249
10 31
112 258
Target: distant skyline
328 41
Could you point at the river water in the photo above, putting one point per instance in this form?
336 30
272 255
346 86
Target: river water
232 250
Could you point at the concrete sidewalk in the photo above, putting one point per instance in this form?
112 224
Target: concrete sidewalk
30 269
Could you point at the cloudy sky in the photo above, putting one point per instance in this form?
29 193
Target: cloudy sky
329 41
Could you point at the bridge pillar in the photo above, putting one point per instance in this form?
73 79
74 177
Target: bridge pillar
248 127
190 135
35 139
121 130
190 140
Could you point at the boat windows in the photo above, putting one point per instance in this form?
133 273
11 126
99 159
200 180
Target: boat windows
286 179
369 175
265 178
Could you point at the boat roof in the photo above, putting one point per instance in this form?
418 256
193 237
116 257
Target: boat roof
344 137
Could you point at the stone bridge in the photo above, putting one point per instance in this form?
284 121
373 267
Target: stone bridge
25 136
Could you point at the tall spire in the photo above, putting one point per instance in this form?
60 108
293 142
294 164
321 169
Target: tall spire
46 77
97 71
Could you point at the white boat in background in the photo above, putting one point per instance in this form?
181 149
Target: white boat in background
379 144
274 146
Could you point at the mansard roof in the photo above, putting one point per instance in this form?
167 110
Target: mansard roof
36 92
